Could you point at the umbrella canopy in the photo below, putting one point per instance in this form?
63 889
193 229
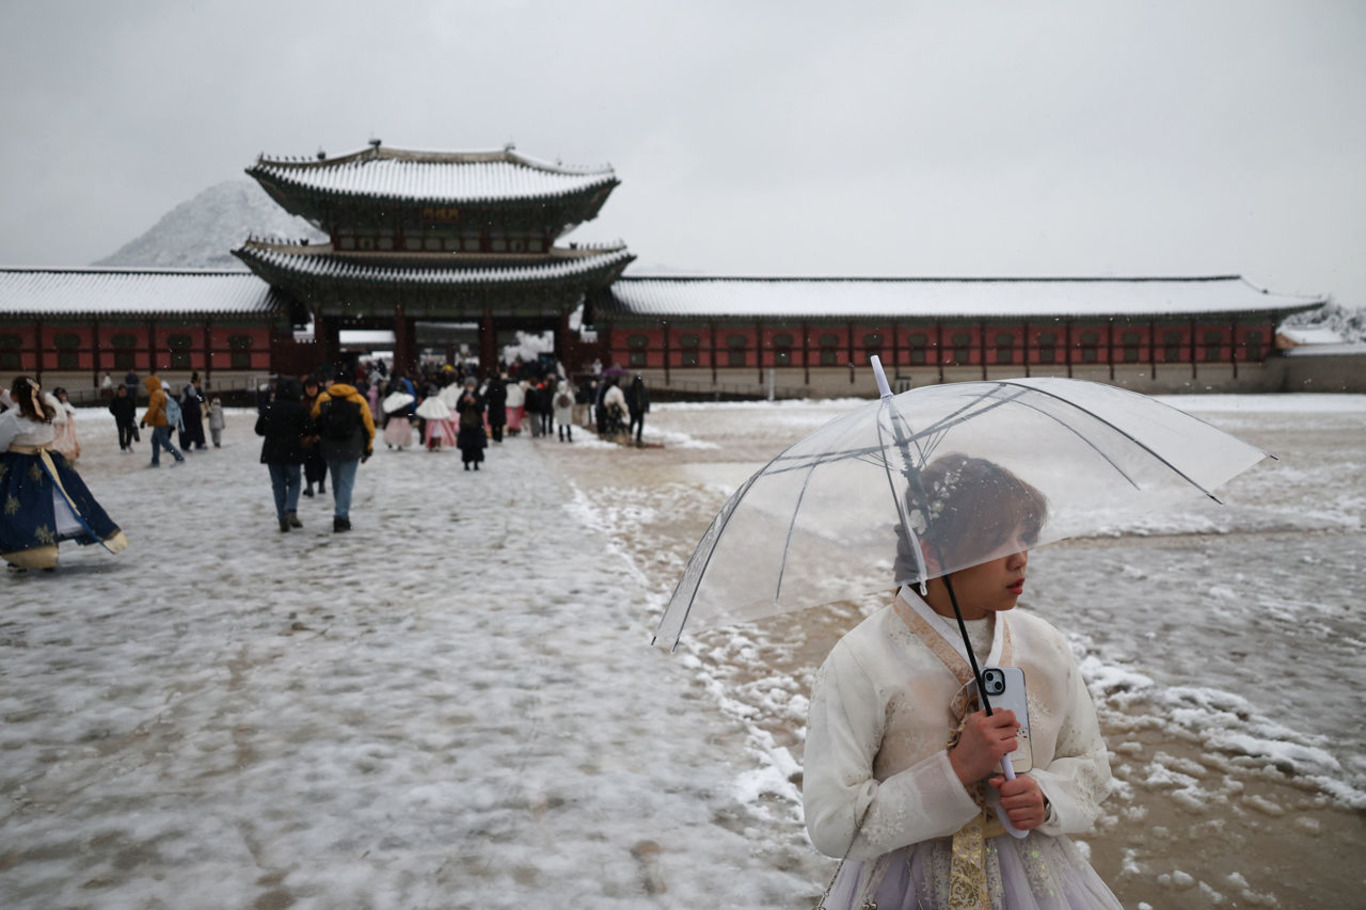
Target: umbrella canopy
859 505
450 394
433 408
396 401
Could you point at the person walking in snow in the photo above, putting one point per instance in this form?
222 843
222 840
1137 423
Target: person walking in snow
496 399
64 426
471 438
315 466
564 411
637 406
46 501
157 417
192 416
125 418
217 423
346 431
284 423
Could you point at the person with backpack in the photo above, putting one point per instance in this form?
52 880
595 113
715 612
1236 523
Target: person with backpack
284 423
157 416
346 433
564 411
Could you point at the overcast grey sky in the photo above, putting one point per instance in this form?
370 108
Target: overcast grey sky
1169 137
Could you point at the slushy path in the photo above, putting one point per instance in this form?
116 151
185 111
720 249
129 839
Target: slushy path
451 706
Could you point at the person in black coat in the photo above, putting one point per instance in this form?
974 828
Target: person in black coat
315 466
637 405
192 416
283 422
496 398
471 438
124 409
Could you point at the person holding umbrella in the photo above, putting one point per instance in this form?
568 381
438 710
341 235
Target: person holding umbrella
902 766
941 492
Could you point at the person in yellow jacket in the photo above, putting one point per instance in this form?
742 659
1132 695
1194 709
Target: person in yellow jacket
346 434
155 417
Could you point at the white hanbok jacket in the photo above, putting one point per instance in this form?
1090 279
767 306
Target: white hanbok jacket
877 777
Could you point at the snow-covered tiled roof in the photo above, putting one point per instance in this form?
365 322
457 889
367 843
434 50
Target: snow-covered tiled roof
1308 335
34 292
933 298
462 177
343 268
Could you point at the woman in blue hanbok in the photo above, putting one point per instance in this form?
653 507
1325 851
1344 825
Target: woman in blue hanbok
42 498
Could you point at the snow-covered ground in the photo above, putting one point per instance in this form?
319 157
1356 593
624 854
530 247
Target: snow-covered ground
455 704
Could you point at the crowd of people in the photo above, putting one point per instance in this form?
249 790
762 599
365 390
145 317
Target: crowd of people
316 428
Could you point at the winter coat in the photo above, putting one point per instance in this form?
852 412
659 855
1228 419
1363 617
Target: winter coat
124 409
637 400
471 436
216 421
564 413
362 440
496 397
282 423
155 415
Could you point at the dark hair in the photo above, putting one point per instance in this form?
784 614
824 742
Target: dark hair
25 393
971 509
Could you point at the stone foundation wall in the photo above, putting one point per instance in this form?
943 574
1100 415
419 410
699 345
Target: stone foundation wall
1321 373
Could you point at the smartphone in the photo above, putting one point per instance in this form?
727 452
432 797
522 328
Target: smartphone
1006 689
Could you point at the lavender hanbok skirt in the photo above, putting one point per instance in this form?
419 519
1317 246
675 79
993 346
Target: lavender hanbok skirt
1035 873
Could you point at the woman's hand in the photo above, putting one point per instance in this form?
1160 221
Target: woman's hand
1022 799
984 741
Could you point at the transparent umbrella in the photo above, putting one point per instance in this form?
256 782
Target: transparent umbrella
850 508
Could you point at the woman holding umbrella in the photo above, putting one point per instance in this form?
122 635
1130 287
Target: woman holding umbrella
902 770
398 429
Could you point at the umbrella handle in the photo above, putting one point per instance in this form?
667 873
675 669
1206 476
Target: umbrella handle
1009 771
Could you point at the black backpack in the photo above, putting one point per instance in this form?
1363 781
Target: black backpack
338 419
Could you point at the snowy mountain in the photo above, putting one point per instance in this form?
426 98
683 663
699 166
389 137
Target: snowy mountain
201 233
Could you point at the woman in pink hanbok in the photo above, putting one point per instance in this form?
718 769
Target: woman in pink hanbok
440 423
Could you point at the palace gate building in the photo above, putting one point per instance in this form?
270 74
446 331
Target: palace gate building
424 244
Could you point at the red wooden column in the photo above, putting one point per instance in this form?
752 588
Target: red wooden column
982 347
806 353
488 343
1233 347
405 342
759 349
208 353
1152 349
1067 335
665 325
38 351
939 349
327 334
1195 371
95 352
711 330
1110 343
563 345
